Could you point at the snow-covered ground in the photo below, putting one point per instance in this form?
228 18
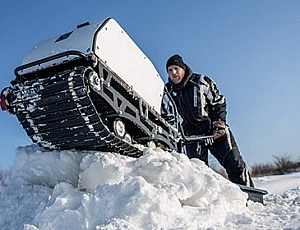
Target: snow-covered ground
160 190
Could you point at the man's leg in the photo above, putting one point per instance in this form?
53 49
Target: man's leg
227 153
195 150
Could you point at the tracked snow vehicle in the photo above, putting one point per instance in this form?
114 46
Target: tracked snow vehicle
91 88
94 89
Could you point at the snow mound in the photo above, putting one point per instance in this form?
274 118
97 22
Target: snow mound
96 190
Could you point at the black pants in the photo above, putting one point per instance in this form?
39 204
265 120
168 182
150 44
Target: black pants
227 153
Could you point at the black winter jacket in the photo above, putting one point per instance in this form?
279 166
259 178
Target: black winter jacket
198 102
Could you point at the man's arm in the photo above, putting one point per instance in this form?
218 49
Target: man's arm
216 101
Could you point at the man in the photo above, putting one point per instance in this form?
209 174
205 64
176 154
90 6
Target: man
202 111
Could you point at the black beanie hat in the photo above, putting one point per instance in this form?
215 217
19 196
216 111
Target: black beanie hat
175 60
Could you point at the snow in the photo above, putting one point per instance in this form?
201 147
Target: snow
160 190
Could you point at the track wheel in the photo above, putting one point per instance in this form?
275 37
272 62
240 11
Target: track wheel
127 138
93 79
119 128
151 144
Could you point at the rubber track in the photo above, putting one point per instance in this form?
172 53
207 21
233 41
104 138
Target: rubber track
57 113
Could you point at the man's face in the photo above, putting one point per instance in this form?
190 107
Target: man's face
176 73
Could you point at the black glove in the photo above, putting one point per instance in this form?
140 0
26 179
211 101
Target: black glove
219 129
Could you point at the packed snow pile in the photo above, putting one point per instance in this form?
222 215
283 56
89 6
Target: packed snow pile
160 190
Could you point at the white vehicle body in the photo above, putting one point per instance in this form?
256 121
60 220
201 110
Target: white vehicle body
113 46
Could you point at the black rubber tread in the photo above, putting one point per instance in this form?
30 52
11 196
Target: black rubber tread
59 114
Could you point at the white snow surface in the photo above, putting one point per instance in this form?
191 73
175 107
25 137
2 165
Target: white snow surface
160 190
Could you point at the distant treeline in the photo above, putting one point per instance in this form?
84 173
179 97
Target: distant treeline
281 165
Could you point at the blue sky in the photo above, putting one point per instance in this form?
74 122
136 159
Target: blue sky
250 48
